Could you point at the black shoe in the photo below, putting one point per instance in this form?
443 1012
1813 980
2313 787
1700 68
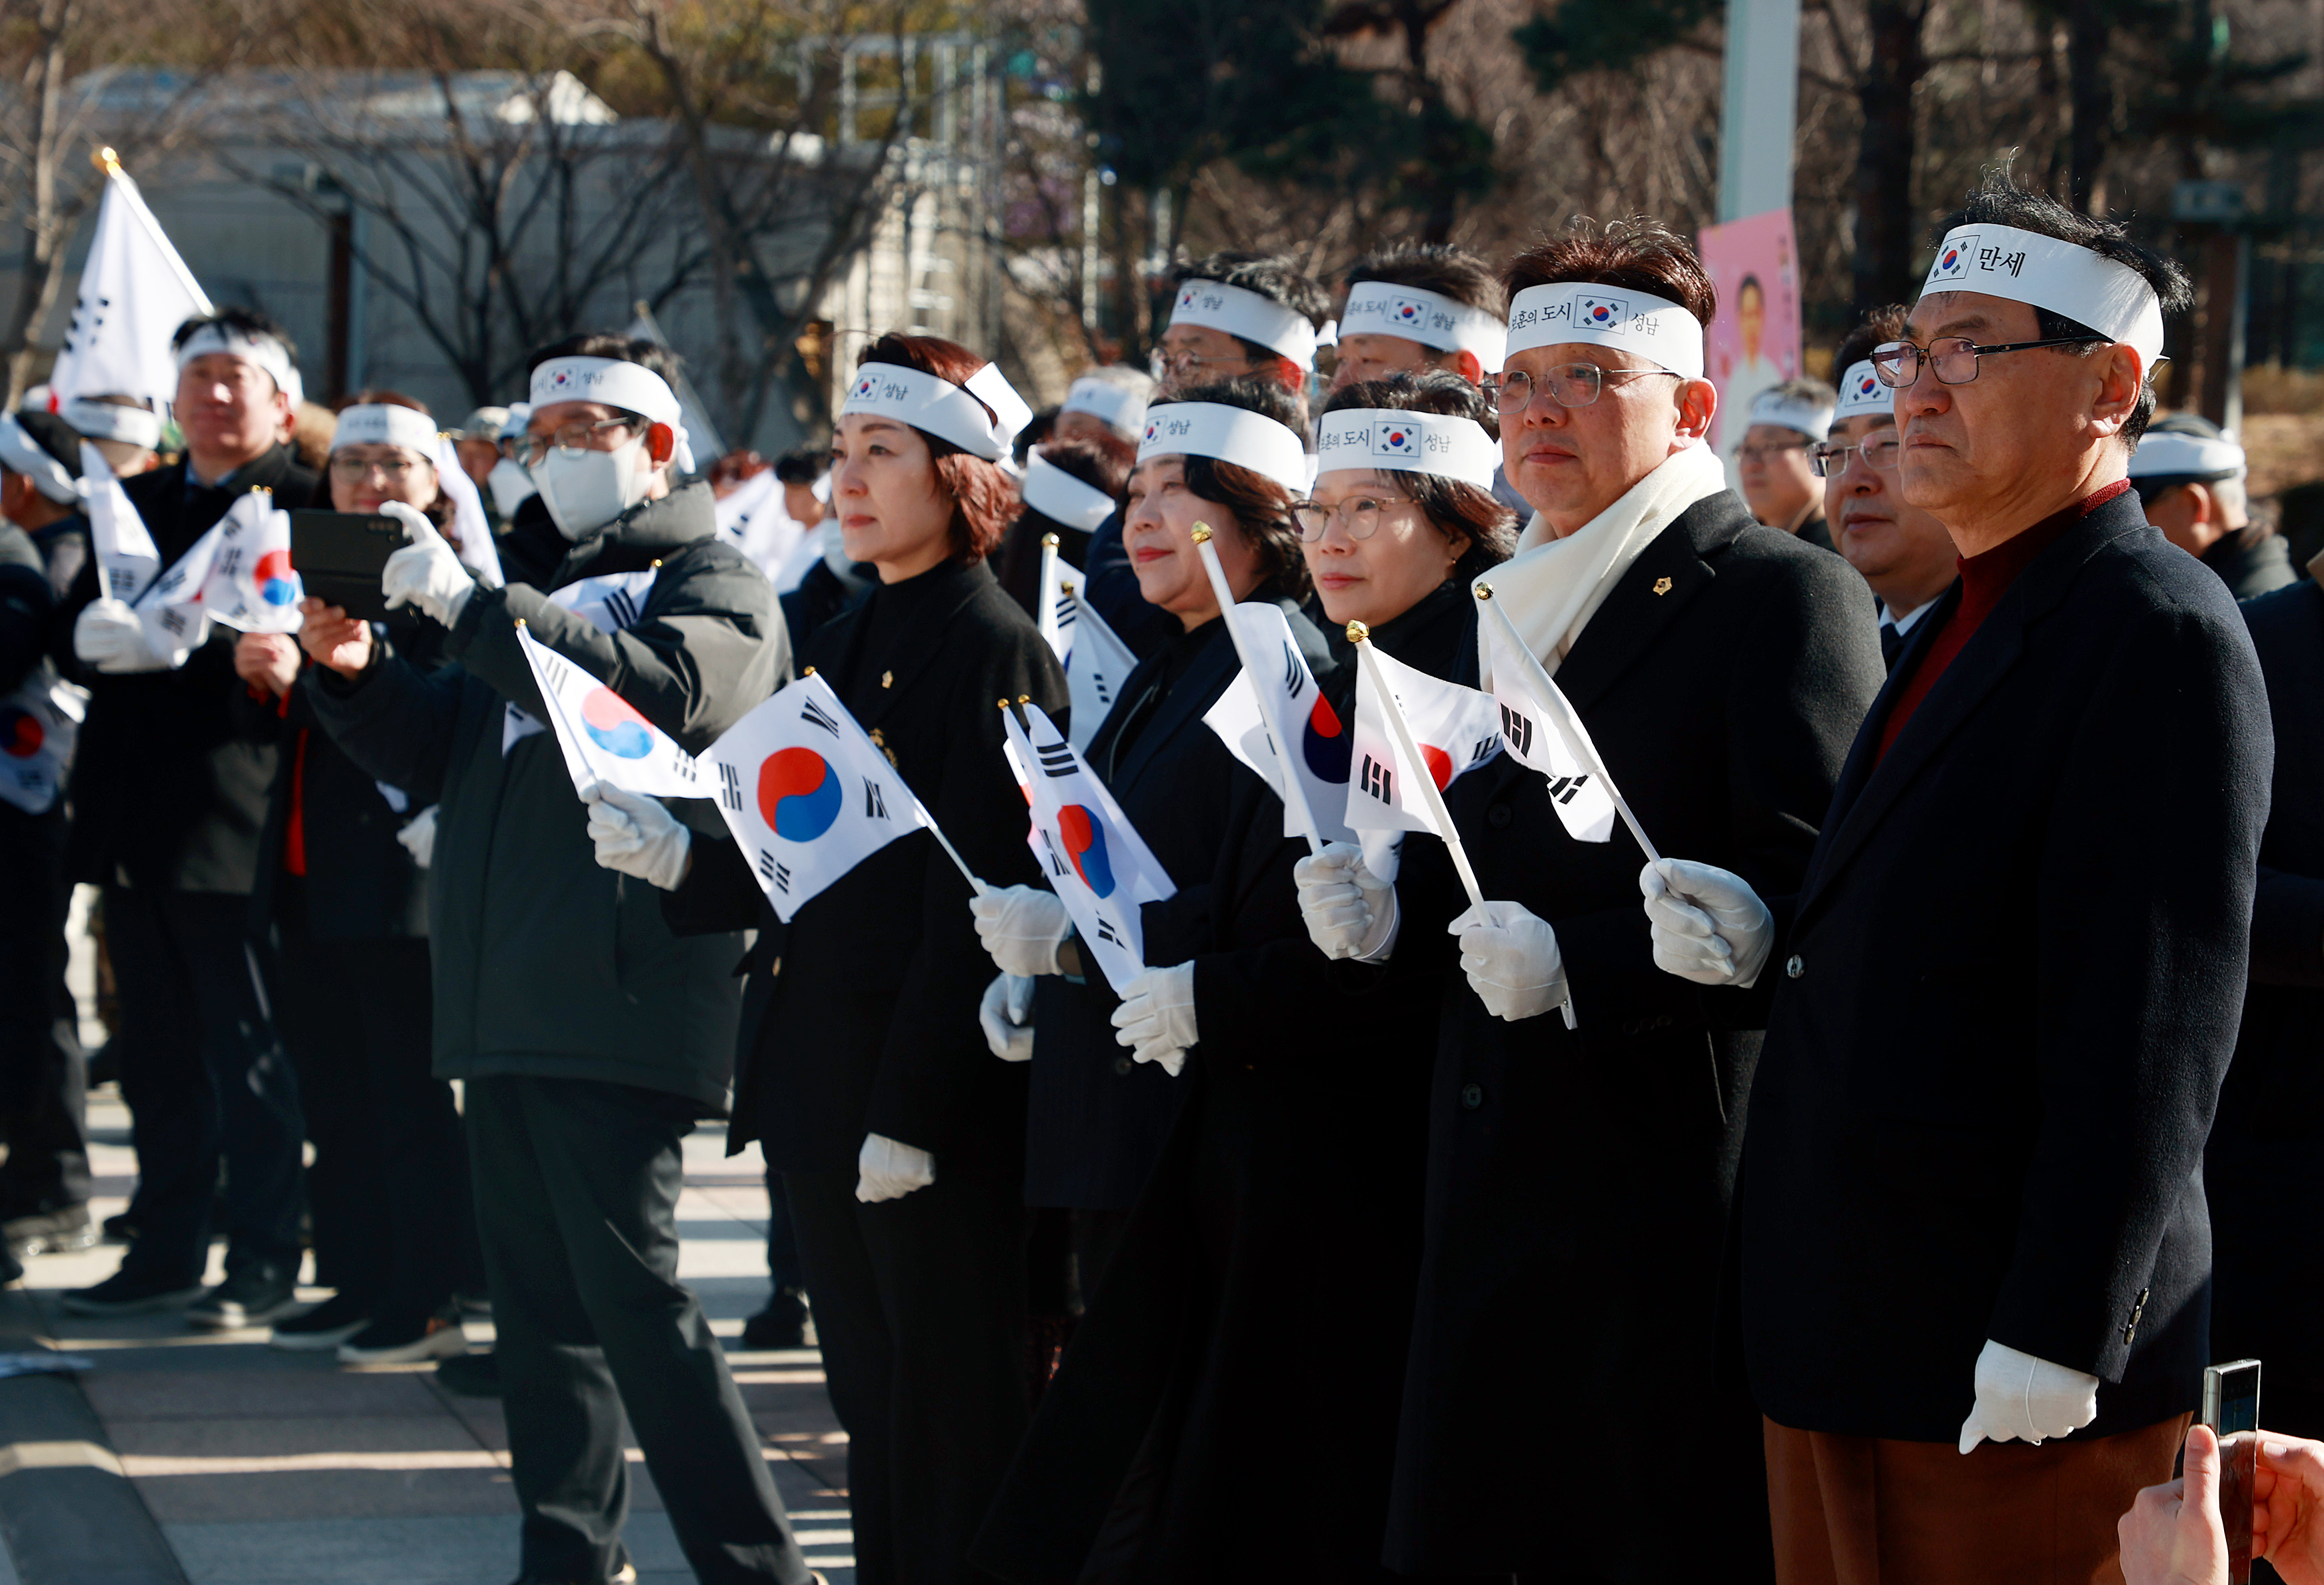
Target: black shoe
324 1327
48 1231
259 1295
782 1324
470 1376
406 1340
128 1293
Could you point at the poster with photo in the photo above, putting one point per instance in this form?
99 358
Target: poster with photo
1755 340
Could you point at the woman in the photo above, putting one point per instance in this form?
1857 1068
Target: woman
863 1076
1070 487
345 899
1252 1329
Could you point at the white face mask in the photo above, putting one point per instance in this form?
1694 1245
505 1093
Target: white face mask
509 486
584 491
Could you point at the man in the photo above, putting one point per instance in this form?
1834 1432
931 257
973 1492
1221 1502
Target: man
1778 478
589 1038
125 430
1903 552
1107 404
1422 306
477 441
1972 1209
168 808
2189 478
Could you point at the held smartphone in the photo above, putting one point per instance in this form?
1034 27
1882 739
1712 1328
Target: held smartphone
338 555
2231 1409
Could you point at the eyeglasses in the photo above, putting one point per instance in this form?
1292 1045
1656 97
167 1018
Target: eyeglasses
1568 385
1953 357
1359 516
1187 365
580 435
1768 453
1880 449
354 470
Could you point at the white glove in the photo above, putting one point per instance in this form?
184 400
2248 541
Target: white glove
1350 912
1022 926
109 636
890 1169
636 835
418 837
1157 1017
1707 926
1007 1003
427 573
2021 1398
1511 959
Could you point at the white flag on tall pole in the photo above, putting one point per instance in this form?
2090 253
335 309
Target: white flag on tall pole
251 587
602 734
1096 661
134 292
1541 728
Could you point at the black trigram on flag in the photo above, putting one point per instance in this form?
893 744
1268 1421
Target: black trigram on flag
1484 749
1101 688
1056 758
777 875
875 802
1065 612
1377 780
1105 932
1295 675
552 668
1561 790
730 786
688 768
227 560
622 606
175 621
1518 730
811 711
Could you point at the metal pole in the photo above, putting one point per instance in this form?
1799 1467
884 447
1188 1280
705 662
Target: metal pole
1758 107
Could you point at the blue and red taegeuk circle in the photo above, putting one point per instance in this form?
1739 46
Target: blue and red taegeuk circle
1326 741
1086 847
277 583
22 736
798 794
614 726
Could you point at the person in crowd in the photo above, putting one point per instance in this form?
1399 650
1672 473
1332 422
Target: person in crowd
2173 1534
477 443
828 582
1972 1208
169 802
1788 422
589 1036
44 1183
2268 1260
125 430
1903 552
2190 476
309 433
1721 668
342 891
1107 404
1069 489
1268 1463
864 1079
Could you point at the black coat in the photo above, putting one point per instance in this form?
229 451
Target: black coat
860 1014
2003 1003
1578 1181
1257 1312
2269 1136
165 787
1097 1120
2251 564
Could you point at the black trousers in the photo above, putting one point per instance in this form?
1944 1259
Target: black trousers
920 1306
576 1185
44 1085
205 1078
395 1223
782 1240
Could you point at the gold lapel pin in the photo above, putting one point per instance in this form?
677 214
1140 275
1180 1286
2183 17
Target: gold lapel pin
1662 586
888 679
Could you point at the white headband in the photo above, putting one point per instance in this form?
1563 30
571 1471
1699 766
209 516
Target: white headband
1861 393
1379 308
20 452
1610 316
1227 434
1407 442
1247 314
616 383
386 423
2167 455
109 421
261 352
1057 495
1812 420
1112 405
2064 277
941 409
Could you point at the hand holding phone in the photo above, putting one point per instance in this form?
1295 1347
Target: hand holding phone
2231 1409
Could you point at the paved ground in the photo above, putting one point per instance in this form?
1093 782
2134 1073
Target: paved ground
261 1467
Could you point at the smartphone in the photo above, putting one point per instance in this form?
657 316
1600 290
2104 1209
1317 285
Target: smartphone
2231 1409
339 556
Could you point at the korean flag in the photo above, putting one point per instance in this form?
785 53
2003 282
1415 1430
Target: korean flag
603 736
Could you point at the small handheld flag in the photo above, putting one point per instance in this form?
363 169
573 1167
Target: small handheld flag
1304 734
250 585
127 559
603 736
1096 661
1402 769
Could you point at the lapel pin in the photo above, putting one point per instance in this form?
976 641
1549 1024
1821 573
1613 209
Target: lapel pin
1662 586
888 679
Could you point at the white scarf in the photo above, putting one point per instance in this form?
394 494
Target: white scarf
1552 587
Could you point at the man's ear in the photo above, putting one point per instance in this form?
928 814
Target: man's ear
2122 378
1697 404
2204 504
662 443
1465 364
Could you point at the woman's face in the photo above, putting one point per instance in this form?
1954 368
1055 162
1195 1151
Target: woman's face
1377 579
1158 517
365 477
893 511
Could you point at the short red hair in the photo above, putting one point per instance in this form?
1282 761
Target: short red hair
983 496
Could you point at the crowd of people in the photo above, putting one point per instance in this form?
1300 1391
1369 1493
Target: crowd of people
1840 1169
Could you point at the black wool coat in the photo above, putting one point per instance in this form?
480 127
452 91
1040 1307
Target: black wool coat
165 787
2004 1002
860 1014
1578 1181
2269 1134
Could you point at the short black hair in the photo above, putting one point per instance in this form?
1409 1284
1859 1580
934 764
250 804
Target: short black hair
804 465
1998 200
249 321
1882 325
606 343
1450 505
52 435
1639 252
1437 267
1272 275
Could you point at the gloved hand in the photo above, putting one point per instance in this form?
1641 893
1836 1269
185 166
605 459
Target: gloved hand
1707 926
1022 926
2021 1398
109 636
418 837
636 835
890 1169
1351 912
1511 959
1007 1003
427 573
1157 1017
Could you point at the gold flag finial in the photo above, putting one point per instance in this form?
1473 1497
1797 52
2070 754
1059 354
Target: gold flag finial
1358 633
1202 534
106 160
1049 541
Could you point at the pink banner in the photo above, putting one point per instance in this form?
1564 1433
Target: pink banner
1755 340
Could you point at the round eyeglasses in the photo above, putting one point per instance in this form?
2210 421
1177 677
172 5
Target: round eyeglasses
1359 516
1568 385
572 437
1880 449
1952 357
